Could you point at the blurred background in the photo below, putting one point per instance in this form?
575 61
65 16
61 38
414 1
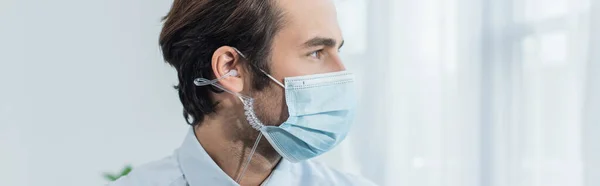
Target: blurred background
452 92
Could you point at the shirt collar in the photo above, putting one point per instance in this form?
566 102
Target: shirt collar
199 169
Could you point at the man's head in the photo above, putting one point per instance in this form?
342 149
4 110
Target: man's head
284 38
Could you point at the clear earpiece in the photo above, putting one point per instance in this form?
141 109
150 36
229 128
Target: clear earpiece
204 82
233 73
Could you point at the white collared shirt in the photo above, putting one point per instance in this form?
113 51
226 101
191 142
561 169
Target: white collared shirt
190 165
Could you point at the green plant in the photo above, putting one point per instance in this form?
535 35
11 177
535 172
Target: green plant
113 177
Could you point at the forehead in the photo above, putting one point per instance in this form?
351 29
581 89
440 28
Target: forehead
305 19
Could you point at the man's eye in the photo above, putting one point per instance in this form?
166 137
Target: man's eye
316 54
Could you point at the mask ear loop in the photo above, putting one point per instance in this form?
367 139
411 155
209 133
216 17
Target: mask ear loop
267 74
272 78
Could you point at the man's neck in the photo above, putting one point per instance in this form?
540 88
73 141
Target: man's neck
218 138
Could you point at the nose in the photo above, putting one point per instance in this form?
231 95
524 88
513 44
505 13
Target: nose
337 64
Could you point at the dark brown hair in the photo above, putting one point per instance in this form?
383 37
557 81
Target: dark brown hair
194 29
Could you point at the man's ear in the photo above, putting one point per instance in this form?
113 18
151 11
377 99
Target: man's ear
224 60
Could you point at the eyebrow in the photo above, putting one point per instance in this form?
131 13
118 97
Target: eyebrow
321 41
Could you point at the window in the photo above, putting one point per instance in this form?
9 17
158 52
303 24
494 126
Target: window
542 144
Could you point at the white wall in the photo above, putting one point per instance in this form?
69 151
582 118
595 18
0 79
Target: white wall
83 89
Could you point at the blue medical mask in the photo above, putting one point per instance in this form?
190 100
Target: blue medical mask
321 112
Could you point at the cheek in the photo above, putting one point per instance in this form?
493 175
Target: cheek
270 106
289 67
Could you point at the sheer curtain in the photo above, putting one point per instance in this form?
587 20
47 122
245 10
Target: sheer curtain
591 129
473 92
539 56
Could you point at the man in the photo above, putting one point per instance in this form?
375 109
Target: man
264 89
